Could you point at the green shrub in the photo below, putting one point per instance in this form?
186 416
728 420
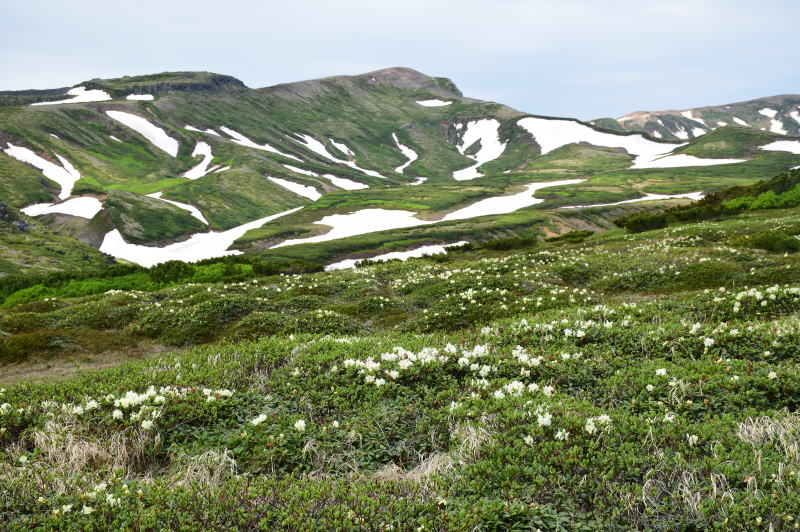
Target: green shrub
571 236
170 271
266 268
773 241
641 222
260 324
22 346
504 244
575 274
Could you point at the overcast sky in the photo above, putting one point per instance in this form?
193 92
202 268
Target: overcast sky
580 58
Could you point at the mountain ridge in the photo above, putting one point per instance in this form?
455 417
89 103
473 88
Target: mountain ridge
676 124
172 161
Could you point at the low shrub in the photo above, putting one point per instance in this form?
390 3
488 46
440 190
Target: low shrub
571 236
641 222
773 241
504 244
170 271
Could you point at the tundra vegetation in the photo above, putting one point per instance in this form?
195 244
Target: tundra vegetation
612 380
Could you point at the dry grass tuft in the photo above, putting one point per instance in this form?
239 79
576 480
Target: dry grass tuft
782 431
211 468
70 450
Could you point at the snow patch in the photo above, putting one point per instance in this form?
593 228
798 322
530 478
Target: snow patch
201 148
435 249
795 115
83 207
740 121
485 131
351 163
690 116
419 181
319 148
223 169
345 184
114 138
552 134
721 123
506 204
359 223
647 197
433 103
792 146
240 139
776 126
698 131
770 113
300 170
65 175
681 159
157 136
301 190
372 220
194 211
198 247
410 154
208 131
81 95
681 133
342 147
140 97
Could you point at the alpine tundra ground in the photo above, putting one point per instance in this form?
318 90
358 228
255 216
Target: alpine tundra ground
607 381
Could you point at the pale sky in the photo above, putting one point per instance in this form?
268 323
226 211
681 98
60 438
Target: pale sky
577 58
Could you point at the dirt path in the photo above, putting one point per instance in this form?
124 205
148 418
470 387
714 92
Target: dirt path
66 367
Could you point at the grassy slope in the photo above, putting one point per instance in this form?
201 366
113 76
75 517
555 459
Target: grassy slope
30 247
141 219
23 185
697 394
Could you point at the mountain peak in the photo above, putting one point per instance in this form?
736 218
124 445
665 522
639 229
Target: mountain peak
398 77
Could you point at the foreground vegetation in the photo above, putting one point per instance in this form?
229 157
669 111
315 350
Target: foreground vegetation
596 381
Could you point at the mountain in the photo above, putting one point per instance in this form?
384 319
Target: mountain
606 338
776 114
193 165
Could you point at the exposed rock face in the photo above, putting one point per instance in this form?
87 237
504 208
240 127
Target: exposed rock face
10 220
29 96
167 82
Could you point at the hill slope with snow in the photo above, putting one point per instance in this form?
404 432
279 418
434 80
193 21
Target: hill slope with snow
173 162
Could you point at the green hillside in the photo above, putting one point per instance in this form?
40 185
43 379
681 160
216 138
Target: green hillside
331 146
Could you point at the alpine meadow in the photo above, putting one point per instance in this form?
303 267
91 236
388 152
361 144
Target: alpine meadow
375 302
